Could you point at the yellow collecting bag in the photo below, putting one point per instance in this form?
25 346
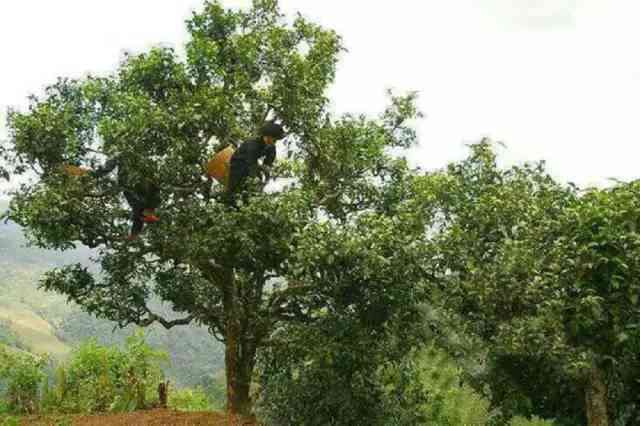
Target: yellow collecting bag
75 170
218 166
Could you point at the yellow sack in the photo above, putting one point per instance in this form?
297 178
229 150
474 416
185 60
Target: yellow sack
218 167
75 170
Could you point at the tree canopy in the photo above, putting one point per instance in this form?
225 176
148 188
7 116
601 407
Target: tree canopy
546 276
331 238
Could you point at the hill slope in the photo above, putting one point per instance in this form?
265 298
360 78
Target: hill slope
37 321
33 331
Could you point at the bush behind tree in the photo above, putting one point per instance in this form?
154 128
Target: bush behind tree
100 378
546 276
21 375
94 379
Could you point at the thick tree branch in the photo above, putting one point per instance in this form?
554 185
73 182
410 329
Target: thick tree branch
151 318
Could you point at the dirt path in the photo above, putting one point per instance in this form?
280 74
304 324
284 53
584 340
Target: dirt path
139 418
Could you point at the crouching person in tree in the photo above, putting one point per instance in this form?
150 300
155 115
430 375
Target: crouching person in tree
244 161
141 192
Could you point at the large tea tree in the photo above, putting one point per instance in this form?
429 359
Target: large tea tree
242 273
547 277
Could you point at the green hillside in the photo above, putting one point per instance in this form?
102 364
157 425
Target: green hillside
32 331
40 322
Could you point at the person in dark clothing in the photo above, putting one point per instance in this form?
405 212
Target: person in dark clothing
143 196
244 161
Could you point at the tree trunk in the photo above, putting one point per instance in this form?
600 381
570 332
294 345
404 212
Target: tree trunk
238 363
238 378
163 394
596 399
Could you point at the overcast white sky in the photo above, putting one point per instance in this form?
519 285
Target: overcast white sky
554 79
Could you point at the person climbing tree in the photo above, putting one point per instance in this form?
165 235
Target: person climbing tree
142 194
244 161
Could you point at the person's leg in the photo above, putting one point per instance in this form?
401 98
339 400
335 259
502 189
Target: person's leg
237 175
136 226
136 212
151 201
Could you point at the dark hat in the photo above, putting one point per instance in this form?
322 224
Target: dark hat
273 129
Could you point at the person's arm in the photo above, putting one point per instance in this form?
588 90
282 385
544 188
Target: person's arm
105 169
252 151
269 158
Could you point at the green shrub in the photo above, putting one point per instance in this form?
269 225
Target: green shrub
96 378
47 398
450 402
9 421
349 376
189 400
86 382
215 387
21 375
534 421
100 378
143 368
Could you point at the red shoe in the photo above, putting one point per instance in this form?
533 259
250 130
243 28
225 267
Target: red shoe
131 237
150 218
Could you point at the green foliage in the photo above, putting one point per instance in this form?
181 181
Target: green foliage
21 375
10 421
215 387
143 367
186 399
193 353
86 384
450 401
335 383
545 275
426 387
534 421
99 378
331 370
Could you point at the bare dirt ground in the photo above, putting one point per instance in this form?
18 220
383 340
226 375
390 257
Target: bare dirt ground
157 417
